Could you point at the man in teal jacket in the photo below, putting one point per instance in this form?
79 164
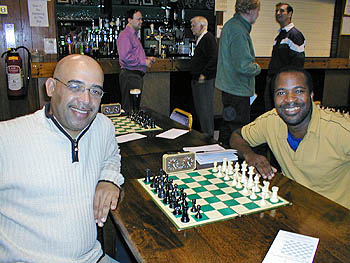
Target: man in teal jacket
236 68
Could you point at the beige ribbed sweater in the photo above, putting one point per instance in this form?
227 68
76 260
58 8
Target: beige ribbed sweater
46 200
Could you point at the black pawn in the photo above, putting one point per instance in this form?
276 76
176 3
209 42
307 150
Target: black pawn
161 193
198 215
177 210
193 209
166 199
153 181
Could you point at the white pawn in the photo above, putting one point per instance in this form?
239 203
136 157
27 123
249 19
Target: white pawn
262 201
256 187
227 177
253 196
215 168
237 167
245 189
238 185
274 197
219 174
234 181
265 188
230 168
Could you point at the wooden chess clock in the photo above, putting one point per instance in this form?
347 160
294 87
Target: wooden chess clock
179 162
113 109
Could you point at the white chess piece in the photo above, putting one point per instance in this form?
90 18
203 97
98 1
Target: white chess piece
238 185
262 201
219 174
256 187
245 189
253 196
215 168
274 196
234 181
224 164
265 188
227 177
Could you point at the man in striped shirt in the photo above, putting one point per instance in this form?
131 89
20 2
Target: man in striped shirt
288 49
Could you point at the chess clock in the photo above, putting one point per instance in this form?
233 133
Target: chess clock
113 109
179 162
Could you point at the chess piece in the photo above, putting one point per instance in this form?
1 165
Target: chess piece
227 177
193 209
148 176
215 168
185 218
245 188
198 215
253 196
219 174
177 210
263 201
274 196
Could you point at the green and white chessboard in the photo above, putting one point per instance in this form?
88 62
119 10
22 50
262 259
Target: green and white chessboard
218 199
124 125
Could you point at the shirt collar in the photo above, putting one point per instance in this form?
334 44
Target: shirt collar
200 37
287 27
313 127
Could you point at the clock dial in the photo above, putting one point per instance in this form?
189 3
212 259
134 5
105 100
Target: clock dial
172 164
188 162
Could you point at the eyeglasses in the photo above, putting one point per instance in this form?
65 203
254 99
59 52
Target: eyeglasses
77 87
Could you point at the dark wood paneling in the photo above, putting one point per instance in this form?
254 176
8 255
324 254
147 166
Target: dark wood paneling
30 37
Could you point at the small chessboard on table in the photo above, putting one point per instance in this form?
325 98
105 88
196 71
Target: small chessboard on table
215 197
135 122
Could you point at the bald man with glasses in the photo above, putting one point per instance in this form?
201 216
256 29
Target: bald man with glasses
59 171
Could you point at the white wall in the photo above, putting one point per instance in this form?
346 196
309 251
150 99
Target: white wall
314 18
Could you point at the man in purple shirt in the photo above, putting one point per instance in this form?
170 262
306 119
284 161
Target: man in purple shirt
132 58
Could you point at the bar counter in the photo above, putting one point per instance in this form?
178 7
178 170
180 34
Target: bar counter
45 68
167 83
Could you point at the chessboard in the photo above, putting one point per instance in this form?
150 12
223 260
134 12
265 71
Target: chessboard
210 196
134 123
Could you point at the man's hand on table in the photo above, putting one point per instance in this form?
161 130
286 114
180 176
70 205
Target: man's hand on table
261 164
106 197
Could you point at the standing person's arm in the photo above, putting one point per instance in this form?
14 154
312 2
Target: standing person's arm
260 162
244 61
297 50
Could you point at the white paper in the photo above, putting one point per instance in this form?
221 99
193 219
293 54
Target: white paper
129 137
172 133
50 46
252 98
292 247
38 16
204 148
211 157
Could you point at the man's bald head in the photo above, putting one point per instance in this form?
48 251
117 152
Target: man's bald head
72 102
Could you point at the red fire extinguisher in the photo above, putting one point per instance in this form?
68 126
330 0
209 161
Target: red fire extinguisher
17 84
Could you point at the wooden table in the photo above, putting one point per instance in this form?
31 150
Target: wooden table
153 144
153 238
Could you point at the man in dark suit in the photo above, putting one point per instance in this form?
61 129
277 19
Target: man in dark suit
203 70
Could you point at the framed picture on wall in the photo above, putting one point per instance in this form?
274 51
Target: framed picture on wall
134 2
147 2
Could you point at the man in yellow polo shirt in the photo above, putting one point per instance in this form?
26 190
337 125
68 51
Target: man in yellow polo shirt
312 145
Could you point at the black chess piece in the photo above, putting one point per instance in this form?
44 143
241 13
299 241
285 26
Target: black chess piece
161 193
153 182
176 190
166 199
198 215
185 218
177 210
194 209
148 176
173 202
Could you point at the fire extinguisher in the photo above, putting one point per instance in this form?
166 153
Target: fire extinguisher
16 85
